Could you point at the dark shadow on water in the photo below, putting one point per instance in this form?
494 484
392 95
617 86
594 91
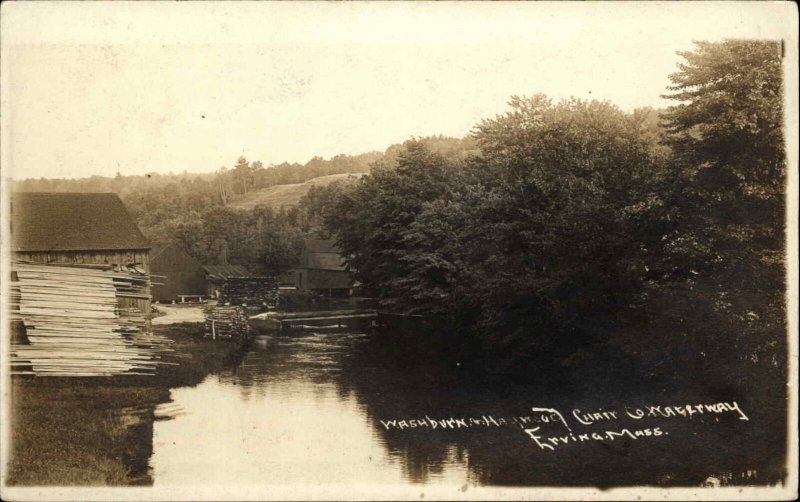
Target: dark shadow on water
482 412
398 379
428 379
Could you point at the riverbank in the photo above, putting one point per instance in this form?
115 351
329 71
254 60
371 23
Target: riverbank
178 313
98 431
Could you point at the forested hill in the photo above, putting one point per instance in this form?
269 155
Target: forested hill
230 182
246 213
288 195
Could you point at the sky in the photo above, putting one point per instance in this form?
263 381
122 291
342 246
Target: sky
98 88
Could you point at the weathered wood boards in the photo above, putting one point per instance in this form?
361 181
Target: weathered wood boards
74 325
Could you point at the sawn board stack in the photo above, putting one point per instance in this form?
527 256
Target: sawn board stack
73 323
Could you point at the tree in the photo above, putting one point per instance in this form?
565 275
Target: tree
372 218
317 204
562 220
727 243
727 134
729 123
540 235
221 178
243 176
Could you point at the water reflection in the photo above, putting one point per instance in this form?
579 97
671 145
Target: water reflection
279 418
137 448
309 409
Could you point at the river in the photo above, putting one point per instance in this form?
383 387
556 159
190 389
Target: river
345 409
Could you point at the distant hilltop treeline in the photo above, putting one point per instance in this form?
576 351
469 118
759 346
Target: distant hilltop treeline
247 214
241 178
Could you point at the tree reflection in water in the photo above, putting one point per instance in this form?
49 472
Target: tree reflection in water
395 381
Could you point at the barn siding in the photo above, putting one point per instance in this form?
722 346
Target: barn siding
181 274
141 257
321 267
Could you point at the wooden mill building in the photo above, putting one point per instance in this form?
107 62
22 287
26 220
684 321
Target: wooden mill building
78 228
321 270
176 275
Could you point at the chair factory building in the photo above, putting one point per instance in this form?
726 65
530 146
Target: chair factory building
321 270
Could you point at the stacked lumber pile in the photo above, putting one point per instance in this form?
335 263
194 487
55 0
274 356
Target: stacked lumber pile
249 291
226 321
73 324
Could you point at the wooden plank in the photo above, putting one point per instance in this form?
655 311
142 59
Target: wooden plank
328 318
78 325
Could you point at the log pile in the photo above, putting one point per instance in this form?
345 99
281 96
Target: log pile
226 321
261 291
73 325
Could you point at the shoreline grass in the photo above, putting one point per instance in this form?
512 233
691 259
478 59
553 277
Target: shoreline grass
98 431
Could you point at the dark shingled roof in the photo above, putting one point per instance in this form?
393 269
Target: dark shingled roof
225 272
72 222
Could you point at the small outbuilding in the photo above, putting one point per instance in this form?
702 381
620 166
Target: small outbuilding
321 270
177 276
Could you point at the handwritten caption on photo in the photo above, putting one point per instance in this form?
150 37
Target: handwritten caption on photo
572 427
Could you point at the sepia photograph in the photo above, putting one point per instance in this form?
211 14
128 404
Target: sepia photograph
399 250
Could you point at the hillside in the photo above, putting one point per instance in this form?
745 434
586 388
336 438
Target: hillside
286 195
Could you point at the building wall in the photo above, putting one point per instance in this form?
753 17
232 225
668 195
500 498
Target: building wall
141 257
328 261
312 278
212 288
287 278
182 275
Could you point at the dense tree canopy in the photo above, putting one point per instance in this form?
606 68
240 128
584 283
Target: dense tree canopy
727 134
729 119
564 222
542 228
373 221
727 236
